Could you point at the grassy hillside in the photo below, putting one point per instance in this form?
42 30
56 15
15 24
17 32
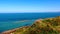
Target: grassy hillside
42 26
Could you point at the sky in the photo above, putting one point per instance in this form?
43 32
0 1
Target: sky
18 6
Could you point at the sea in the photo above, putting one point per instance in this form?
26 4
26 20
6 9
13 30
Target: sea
10 21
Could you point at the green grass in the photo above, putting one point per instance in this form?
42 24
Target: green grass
45 26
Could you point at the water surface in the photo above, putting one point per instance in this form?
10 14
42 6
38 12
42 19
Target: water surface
13 20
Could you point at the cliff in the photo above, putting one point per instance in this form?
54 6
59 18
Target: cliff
41 26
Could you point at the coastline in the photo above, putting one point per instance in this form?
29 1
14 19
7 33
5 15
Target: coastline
40 25
9 31
13 30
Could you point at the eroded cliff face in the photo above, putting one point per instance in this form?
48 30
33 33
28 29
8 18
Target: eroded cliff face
41 26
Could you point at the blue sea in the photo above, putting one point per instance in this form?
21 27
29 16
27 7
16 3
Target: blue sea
10 21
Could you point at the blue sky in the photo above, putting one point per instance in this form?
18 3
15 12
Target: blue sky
12 6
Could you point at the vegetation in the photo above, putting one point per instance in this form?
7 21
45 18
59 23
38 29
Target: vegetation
45 26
